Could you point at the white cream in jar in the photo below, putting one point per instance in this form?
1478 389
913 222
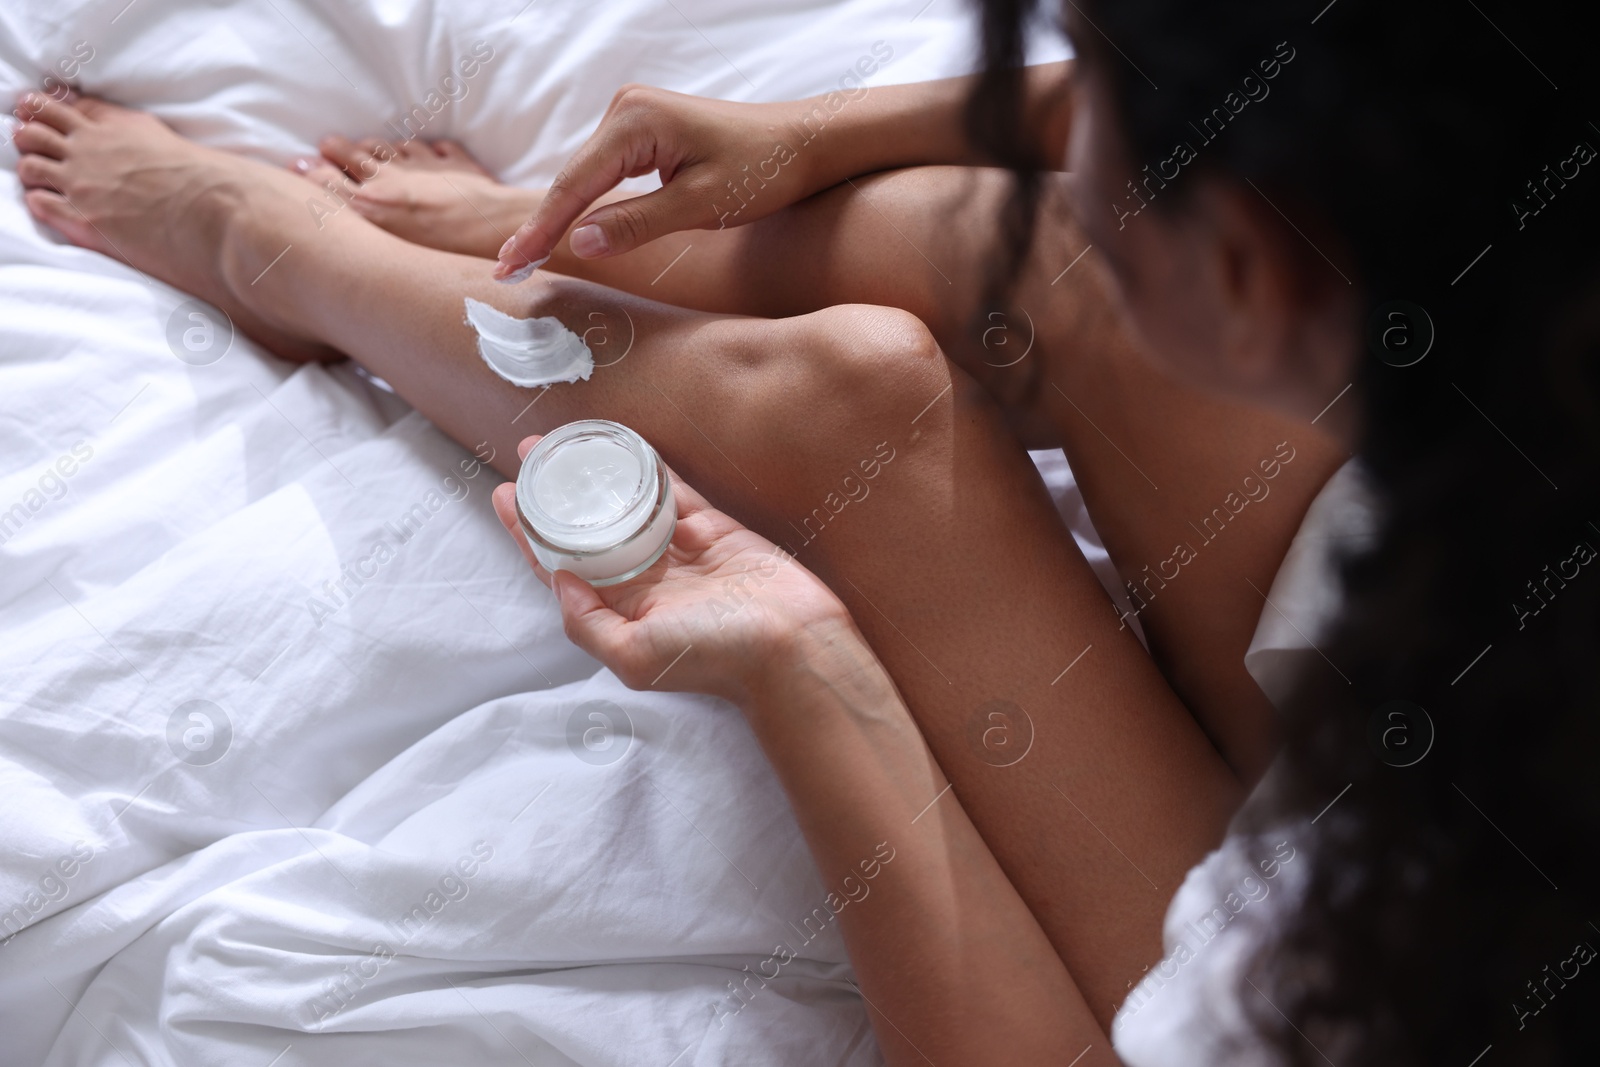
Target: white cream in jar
593 498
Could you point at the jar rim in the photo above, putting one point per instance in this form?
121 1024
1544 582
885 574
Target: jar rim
629 522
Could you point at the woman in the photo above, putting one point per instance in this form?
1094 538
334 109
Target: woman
1022 902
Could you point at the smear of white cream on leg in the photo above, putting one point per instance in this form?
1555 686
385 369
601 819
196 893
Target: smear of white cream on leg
528 352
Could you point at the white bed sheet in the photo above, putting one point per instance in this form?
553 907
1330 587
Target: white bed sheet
248 910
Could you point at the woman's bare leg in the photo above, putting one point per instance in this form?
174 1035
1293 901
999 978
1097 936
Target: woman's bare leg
843 432
1159 463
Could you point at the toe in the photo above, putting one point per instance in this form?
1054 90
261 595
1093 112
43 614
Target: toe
47 206
319 171
36 107
373 210
37 172
356 161
97 110
41 140
53 210
94 108
324 175
452 153
380 150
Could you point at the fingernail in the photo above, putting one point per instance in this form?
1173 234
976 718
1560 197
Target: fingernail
589 242
506 247
303 165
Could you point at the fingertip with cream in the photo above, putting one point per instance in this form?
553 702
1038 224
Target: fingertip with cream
504 275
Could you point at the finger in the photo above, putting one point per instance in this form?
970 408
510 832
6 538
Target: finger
505 509
351 157
621 227
42 140
36 107
526 445
616 150
595 628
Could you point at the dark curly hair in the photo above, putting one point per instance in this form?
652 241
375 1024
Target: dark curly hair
1450 152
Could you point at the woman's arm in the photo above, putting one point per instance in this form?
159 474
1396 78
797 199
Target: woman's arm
954 967
725 164
924 124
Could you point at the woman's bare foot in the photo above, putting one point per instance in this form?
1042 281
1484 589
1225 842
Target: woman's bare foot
429 193
123 183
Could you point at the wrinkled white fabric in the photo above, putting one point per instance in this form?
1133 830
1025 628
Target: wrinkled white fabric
1304 599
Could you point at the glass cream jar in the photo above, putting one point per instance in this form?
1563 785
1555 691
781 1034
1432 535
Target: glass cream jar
593 498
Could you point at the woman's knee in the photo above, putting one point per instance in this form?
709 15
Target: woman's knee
870 364
842 392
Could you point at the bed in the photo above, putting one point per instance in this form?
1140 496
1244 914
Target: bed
267 801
